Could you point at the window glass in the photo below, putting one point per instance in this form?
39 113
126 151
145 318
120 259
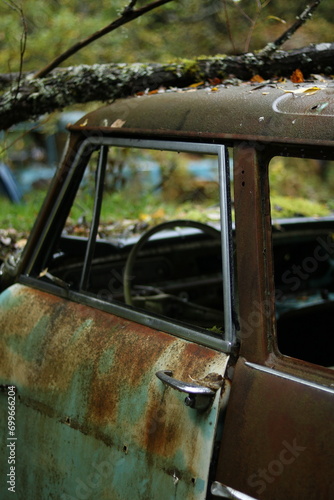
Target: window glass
176 272
80 217
302 208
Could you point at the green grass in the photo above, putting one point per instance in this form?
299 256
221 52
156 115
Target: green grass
147 209
286 207
21 216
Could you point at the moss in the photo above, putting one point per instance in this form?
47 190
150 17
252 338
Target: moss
286 207
199 69
216 329
185 68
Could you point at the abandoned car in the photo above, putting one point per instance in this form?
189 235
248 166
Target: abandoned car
187 351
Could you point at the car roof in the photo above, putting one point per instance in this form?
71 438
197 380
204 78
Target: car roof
280 113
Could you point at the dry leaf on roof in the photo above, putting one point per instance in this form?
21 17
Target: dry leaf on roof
302 90
195 85
297 76
257 79
215 81
117 123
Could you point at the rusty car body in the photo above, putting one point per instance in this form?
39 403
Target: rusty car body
193 362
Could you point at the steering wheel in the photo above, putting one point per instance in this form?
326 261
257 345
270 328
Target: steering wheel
128 272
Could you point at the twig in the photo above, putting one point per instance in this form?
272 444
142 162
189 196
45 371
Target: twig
19 138
129 7
271 47
228 26
252 21
251 30
128 14
23 40
242 12
23 45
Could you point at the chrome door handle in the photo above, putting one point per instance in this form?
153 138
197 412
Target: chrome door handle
219 490
199 397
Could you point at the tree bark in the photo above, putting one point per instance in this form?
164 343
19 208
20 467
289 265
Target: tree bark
82 84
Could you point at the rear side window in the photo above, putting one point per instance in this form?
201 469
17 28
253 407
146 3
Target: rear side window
302 208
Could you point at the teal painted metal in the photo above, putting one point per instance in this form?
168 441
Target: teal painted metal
93 420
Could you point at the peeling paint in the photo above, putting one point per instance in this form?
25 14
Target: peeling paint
90 401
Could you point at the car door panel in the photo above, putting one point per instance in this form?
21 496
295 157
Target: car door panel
93 420
287 415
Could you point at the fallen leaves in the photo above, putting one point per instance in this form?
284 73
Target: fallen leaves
11 241
195 85
303 90
117 123
257 79
215 81
159 215
297 76
256 82
213 380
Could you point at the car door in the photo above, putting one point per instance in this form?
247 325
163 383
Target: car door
106 400
278 440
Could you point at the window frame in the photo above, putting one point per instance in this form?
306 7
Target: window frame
225 343
295 153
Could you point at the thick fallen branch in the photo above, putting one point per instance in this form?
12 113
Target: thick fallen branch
81 84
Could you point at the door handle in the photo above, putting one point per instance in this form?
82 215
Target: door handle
199 397
219 490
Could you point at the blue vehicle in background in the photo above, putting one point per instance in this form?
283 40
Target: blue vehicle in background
32 157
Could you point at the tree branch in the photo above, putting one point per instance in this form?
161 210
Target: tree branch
271 47
228 25
128 15
81 84
130 7
23 39
23 44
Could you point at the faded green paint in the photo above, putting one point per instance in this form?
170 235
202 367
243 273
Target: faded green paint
79 331
31 348
106 360
93 420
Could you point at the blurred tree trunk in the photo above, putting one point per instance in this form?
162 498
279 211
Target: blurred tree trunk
33 97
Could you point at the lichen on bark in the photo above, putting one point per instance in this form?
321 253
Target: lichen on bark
106 82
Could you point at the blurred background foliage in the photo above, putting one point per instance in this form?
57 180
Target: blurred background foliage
301 187
178 30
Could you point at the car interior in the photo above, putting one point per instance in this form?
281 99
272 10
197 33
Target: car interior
173 269
177 273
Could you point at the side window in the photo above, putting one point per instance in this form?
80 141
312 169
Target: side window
302 208
145 231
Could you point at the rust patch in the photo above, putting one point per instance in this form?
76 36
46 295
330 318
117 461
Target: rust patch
135 349
59 345
190 355
95 373
169 425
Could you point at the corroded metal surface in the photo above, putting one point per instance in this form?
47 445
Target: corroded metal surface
279 433
92 417
93 420
276 113
255 275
